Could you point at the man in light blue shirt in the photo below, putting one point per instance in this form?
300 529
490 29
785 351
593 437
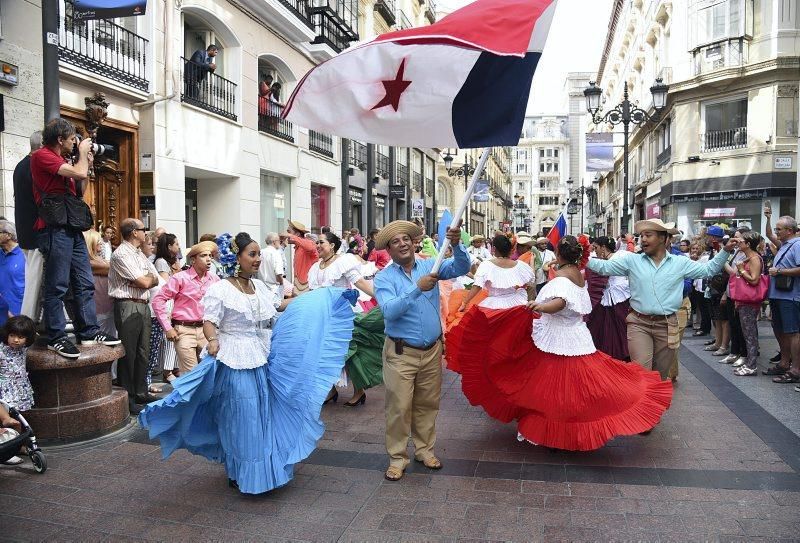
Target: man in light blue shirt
784 299
656 282
408 294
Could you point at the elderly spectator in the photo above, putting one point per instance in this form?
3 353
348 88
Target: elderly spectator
63 246
12 272
272 269
784 295
130 279
25 214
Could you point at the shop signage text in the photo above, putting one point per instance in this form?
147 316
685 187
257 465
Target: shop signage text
715 212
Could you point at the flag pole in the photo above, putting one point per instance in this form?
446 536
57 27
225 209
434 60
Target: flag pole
463 207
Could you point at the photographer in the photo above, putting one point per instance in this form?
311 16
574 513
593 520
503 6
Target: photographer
63 247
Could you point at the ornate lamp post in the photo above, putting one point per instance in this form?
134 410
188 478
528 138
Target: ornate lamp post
580 192
625 113
466 169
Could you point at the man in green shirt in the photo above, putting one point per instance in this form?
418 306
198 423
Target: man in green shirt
656 283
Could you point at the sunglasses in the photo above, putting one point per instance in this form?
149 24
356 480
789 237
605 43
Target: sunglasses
141 229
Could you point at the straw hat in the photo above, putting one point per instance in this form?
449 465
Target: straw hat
395 228
300 227
477 237
541 240
654 225
524 238
202 247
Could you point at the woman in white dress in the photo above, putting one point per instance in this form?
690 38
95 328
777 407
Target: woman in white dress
503 278
343 270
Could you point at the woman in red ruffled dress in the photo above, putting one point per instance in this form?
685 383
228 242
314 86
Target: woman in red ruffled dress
563 393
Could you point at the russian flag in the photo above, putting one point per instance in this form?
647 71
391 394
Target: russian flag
558 231
461 82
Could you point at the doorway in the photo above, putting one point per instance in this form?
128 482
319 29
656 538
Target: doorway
190 203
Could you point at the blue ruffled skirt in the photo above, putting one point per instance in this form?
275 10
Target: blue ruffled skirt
260 422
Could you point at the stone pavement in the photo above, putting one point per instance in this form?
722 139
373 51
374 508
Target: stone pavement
724 465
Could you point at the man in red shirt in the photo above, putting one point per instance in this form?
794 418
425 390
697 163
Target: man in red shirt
63 247
305 253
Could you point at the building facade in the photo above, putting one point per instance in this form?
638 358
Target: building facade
726 143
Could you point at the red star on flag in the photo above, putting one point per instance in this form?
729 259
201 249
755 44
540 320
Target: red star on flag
394 88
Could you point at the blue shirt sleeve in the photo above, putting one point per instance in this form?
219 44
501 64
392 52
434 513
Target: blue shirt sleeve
615 266
456 266
701 270
393 299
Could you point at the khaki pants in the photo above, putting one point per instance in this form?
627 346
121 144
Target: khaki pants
683 315
653 343
413 382
188 346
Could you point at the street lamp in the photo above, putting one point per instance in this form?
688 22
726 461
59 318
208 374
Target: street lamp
625 113
520 212
466 169
580 192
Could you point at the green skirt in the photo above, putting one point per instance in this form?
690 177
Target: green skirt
365 357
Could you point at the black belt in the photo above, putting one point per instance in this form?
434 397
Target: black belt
651 317
401 343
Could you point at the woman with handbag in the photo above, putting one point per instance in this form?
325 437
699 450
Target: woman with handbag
748 288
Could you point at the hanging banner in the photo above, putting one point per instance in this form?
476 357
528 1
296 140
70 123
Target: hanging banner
653 211
599 152
481 193
107 9
417 208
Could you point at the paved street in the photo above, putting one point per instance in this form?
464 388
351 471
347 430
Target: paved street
724 465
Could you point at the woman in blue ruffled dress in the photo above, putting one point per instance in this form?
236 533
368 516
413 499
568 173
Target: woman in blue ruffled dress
253 403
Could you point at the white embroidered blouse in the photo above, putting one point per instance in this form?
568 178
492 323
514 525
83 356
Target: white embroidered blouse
564 333
343 272
243 322
506 286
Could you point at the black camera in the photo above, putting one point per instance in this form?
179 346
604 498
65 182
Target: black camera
99 149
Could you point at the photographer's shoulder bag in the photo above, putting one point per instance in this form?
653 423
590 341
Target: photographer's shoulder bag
784 283
66 210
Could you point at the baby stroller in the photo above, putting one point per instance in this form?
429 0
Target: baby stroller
13 447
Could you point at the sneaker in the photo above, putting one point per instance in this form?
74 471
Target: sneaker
101 339
739 362
744 371
64 347
14 461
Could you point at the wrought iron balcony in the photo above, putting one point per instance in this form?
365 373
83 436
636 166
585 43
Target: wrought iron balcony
103 47
402 174
208 90
382 165
301 9
724 54
404 22
430 11
417 182
723 140
664 156
388 11
358 155
429 186
270 122
331 32
335 22
320 143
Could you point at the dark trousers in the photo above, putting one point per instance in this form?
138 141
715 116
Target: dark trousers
133 324
738 345
66 264
701 304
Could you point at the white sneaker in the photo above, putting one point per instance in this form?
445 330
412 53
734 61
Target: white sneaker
14 461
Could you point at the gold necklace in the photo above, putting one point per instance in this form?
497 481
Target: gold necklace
238 284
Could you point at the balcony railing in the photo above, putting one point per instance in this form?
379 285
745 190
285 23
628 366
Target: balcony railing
722 140
103 47
208 90
417 182
388 11
402 174
270 122
299 8
358 155
725 54
320 143
664 156
331 32
382 165
404 22
430 11
429 186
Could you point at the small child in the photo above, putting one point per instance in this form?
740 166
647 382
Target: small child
16 335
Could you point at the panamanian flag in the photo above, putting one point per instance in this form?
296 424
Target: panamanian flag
461 82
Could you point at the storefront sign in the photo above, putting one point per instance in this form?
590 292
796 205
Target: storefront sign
107 9
417 208
380 202
783 163
356 197
147 202
711 196
716 212
653 211
397 191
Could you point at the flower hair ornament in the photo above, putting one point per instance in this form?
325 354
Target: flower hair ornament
587 249
227 254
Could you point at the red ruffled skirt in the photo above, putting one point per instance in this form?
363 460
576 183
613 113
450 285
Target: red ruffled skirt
566 402
452 330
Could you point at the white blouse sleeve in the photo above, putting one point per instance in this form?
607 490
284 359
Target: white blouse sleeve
213 306
576 298
352 270
481 274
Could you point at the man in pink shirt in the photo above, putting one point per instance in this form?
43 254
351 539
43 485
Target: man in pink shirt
305 253
186 289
